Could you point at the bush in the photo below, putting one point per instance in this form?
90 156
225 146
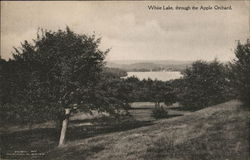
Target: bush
159 112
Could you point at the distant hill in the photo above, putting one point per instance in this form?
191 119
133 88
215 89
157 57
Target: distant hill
140 65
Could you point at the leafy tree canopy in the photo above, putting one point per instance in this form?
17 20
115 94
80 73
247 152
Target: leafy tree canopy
241 72
58 70
203 84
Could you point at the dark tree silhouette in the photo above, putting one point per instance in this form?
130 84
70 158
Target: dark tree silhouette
58 72
241 72
203 84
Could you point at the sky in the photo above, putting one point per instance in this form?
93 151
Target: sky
131 30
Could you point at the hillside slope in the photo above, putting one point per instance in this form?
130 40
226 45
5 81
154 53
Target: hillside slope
217 132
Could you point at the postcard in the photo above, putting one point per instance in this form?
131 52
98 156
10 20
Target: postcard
125 80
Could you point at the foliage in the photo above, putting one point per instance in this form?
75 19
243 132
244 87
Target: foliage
177 86
241 72
58 70
28 113
148 91
159 112
204 84
131 89
161 92
114 72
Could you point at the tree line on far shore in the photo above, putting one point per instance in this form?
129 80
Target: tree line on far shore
63 69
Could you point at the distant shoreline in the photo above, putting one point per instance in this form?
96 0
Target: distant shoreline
156 75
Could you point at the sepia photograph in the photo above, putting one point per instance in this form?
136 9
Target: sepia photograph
125 80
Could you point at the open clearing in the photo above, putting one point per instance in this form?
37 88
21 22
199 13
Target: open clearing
217 132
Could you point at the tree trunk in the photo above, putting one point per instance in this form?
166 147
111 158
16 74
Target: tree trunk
157 104
64 127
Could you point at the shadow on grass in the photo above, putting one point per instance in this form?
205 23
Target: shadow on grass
169 116
182 108
45 139
29 141
103 128
141 108
76 152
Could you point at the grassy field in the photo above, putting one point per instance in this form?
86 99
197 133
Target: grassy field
217 132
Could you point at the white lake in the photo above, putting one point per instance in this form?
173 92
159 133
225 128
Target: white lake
163 76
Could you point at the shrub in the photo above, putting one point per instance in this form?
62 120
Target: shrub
159 112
